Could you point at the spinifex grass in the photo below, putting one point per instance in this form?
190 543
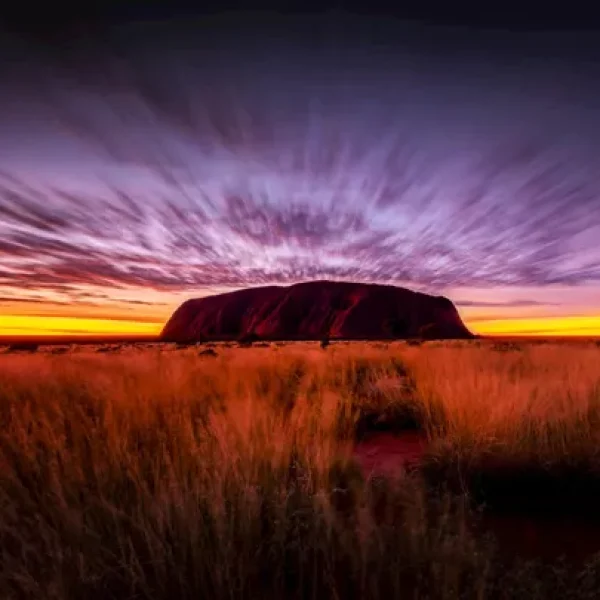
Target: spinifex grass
162 474
518 427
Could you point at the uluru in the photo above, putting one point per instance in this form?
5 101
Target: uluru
314 311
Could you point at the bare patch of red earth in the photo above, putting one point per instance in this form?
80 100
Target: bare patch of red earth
529 536
388 454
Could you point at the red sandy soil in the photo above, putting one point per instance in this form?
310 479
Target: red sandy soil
315 310
389 454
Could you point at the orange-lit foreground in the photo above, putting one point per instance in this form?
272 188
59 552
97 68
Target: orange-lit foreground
141 467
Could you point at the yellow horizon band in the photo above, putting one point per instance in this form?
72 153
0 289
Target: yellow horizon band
24 325
63 325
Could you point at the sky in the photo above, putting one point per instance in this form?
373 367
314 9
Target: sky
159 161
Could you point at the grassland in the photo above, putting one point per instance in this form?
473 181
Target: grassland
157 472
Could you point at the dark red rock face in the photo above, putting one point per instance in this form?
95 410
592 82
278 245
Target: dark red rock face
316 310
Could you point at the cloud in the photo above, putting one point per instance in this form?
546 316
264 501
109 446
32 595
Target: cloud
508 303
251 233
30 300
252 173
252 242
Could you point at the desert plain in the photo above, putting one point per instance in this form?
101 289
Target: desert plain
405 469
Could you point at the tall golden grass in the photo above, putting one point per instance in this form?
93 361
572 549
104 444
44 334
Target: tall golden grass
165 474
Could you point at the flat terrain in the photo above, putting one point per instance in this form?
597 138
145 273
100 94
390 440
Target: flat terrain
360 470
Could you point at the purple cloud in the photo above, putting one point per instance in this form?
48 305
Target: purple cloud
204 168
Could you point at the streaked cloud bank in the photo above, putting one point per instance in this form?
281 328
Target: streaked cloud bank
164 163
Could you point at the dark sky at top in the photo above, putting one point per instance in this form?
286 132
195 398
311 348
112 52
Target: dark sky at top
149 148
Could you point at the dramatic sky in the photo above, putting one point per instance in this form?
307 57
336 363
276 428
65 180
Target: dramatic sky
163 161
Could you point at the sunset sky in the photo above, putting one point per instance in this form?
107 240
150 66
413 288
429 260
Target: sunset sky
166 161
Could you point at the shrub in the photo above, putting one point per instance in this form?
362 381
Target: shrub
23 347
208 352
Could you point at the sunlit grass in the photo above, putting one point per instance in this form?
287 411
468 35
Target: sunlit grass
162 473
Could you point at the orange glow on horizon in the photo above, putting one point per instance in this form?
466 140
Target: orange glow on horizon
21 325
53 325
539 326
